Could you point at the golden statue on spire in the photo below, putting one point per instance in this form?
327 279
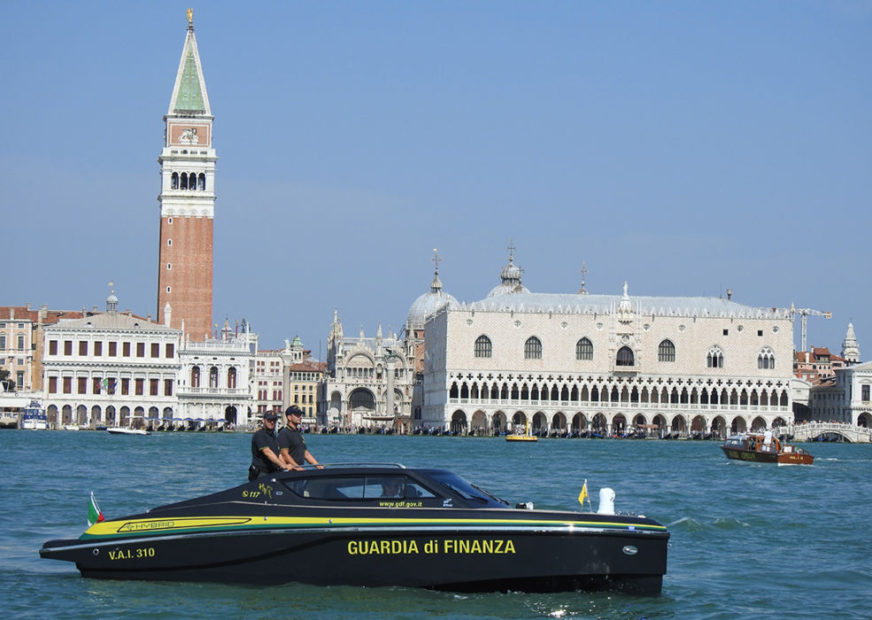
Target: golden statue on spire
190 17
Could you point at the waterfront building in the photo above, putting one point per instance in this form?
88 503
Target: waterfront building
362 372
816 365
21 343
117 368
215 382
290 376
843 393
16 349
847 397
424 306
187 201
610 363
269 381
306 381
112 368
369 380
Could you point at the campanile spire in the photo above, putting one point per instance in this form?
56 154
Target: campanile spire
187 198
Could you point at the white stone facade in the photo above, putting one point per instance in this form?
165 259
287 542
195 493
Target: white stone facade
847 399
611 363
110 368
113 368
369 381
216 379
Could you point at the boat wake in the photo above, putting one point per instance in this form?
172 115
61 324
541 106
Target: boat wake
689 524
729 523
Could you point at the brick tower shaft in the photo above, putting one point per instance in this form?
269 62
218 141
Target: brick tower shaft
187 201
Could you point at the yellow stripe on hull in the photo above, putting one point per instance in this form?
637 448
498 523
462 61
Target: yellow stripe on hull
171 524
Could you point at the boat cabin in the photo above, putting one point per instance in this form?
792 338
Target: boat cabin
419 488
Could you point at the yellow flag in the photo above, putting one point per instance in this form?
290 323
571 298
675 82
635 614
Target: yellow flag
582 494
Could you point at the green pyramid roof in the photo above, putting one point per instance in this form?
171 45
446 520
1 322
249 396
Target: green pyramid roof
190 96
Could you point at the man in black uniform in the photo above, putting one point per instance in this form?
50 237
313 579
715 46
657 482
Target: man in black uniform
292 446
265 457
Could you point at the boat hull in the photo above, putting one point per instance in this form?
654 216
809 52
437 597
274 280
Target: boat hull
378 525
764 448
127 431
460 559
521 550
779 458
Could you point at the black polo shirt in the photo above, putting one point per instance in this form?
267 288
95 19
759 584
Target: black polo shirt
260 440
294 442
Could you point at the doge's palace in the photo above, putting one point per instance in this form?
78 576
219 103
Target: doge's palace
579 362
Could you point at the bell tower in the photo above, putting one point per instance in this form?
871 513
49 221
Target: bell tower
187 200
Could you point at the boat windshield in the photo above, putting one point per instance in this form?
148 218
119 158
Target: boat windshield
466 489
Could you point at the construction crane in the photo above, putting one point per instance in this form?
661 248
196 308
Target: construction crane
804 313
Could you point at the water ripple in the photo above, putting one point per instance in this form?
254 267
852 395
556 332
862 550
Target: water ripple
748 540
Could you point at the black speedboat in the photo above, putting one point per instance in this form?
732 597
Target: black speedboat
373 525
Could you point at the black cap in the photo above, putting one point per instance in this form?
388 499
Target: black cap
293 410
270 415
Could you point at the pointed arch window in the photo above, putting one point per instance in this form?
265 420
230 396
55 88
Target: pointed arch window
584 349
766 359
715 358
483 346
666 351
533 349
625 357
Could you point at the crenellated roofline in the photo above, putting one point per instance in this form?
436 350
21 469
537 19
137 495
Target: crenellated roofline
711 307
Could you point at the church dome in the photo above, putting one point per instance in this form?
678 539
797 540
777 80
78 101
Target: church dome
510 280
427 304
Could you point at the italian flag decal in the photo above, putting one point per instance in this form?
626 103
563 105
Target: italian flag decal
94 513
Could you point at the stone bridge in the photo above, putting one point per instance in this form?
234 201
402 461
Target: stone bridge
809 431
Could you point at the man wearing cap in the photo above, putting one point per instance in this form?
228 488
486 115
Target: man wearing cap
265 457
292 446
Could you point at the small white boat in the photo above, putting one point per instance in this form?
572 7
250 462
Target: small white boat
34 417
71 427
122 430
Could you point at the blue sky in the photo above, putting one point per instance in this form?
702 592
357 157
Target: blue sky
685 147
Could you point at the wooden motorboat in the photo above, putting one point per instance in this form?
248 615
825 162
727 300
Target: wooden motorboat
764 448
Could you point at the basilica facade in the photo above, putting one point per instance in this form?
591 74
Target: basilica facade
369 381
610 364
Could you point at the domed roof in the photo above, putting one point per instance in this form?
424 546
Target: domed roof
112 302
510 280
427 304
